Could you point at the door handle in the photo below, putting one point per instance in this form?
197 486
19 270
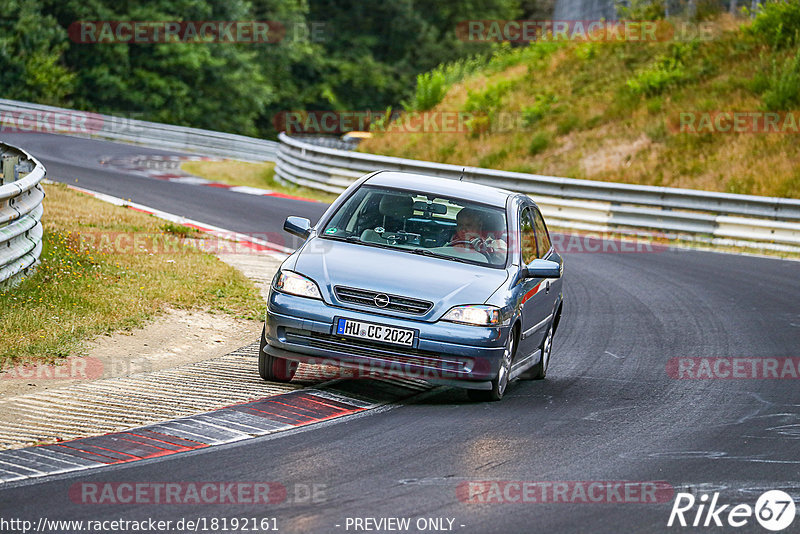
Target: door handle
547 287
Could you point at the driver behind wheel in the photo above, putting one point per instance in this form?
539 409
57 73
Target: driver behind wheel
475 230
468 226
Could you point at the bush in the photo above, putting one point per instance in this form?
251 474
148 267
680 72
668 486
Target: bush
533 114
506 56
430 90
477 125
539 142
432 86
586 51
655 79
456 71
641 9
567 124
489 100
485 105
493 159
778 23
783 86
668 70
707 9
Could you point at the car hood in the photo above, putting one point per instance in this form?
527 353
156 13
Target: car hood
445 283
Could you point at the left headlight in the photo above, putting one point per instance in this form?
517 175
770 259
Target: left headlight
479 315
297 284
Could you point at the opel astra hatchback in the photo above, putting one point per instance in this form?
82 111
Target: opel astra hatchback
409 275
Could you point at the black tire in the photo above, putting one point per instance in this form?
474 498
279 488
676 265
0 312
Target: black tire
272 368
539 371
500 383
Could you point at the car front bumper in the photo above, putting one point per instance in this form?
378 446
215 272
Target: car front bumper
302 329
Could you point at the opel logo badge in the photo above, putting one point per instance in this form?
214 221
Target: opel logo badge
381 300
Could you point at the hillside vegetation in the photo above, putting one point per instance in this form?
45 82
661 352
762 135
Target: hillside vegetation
612 111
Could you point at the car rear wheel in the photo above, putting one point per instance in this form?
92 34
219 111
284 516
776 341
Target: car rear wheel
500 383
539 371
272 368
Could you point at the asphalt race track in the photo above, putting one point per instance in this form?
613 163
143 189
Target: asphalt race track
609 410
71 158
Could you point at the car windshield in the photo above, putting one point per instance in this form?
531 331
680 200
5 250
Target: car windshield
419 223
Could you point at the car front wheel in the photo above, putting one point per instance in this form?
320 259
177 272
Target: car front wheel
539 371
272 368
500 383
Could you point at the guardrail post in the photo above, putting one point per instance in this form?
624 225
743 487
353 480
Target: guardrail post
10 173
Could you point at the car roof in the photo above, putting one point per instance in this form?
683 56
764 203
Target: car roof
445 187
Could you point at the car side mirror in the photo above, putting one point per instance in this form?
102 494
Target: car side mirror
543 269
299 226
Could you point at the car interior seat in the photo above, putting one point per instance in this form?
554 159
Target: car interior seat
395 210
494 224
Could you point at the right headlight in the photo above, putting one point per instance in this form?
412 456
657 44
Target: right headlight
297 284
479 315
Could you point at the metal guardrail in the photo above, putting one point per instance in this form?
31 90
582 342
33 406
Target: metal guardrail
718 218
21 211
24 116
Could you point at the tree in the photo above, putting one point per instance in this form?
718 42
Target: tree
207 85
31 54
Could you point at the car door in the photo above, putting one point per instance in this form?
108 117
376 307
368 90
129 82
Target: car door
536 301
545 251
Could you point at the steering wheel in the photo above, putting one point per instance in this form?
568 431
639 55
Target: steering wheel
475 244
478 245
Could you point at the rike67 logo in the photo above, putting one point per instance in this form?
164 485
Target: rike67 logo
774 510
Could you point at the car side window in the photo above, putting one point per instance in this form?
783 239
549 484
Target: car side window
527 236
542 237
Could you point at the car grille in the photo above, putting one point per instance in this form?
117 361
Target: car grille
366 297
357 347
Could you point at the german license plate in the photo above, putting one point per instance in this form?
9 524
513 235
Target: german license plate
375 332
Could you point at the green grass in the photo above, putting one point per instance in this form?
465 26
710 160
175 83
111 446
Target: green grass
261 175
88 284
180 230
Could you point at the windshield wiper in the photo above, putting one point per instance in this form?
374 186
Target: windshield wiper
431 254
348 239
357 240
